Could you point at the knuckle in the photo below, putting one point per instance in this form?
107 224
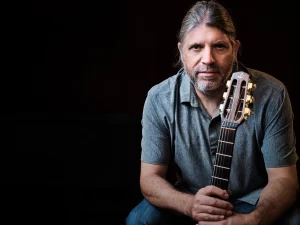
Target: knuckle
214 202
206 217
210 210
210 188
194 215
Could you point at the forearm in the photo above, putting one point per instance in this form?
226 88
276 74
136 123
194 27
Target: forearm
274 200
162 194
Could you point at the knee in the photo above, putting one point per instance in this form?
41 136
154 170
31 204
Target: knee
134 218
140 218
295 217
143 214
292 217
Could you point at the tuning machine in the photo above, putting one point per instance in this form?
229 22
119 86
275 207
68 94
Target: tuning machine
247 112
251 87
225 95
249 98
228 83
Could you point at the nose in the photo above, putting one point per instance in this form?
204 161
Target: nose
207 56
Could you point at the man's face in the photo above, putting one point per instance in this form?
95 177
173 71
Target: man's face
207 56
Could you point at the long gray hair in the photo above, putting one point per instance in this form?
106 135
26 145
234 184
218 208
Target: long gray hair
210 13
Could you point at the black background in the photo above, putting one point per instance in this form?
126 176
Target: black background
72 107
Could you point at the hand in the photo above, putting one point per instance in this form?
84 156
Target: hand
235 219
210 204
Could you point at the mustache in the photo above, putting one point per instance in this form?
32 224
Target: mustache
206 69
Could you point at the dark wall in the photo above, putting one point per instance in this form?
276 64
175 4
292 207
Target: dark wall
72 122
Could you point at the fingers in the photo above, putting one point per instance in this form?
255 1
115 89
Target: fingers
229 192
213 196
208 217
213 202
209 213
210 204
219 203
216 211
215 191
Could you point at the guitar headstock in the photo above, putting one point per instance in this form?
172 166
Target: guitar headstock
237 98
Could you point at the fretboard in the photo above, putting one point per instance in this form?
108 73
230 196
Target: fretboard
222 164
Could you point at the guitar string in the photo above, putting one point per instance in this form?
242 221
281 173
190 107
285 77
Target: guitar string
226 134
219 158
230 135
216 173
223 145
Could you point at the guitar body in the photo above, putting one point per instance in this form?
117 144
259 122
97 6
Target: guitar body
234 110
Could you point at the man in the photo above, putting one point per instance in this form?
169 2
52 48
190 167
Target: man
181 126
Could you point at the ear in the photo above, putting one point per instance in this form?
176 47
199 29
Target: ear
236 48
179 46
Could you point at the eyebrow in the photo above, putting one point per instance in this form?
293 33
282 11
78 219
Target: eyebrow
194 44
213 44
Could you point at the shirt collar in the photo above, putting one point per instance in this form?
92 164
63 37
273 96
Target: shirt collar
187 92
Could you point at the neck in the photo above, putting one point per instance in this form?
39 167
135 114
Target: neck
211 101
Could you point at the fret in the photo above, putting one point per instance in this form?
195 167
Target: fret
226 142
225 150
229 128
220 183
222 167
227 135
220 178
221 172
223 161
224 155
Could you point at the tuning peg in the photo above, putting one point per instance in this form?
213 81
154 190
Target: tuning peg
228 83
251 86
247 111
221 107
249 99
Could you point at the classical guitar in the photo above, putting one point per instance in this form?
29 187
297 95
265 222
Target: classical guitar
234 110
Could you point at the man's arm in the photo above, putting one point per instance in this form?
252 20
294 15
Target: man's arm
158 191
278 195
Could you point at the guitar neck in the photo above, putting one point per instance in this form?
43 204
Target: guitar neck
233 111
222 164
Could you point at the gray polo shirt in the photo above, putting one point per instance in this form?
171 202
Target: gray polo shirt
177 129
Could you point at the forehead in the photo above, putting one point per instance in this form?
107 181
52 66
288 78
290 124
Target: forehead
205 34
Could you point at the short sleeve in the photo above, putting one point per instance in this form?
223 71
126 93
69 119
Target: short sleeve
279 143
155 134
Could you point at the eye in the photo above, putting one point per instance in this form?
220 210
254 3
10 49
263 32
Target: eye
195 47
221 46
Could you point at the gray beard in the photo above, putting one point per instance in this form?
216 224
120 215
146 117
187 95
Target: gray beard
210 87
